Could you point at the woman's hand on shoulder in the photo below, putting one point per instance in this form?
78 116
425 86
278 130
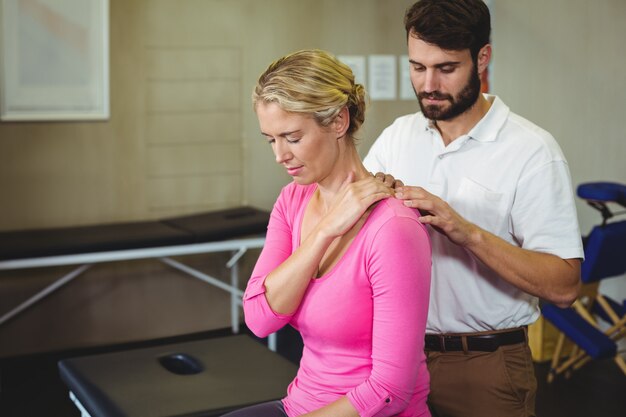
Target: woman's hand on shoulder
351 202
388 180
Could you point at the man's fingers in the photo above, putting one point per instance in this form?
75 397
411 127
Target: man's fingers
420 203
425 213
425 219
432 222
425 207
405 193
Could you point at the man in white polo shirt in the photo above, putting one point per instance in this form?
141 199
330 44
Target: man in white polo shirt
496 191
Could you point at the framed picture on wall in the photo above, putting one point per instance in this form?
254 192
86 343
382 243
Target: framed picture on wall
54 60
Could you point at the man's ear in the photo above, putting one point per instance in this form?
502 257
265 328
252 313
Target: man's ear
484 56
341 122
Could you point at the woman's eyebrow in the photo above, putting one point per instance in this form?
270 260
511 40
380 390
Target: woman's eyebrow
283 134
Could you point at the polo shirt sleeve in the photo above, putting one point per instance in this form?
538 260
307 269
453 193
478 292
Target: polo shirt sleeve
543 216
399 265
259 316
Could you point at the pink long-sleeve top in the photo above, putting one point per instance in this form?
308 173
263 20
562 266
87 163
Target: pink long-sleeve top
363 322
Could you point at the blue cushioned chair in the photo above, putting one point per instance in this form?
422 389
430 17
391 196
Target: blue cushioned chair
605 256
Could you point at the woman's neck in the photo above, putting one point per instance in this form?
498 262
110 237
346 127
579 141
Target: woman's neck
348 166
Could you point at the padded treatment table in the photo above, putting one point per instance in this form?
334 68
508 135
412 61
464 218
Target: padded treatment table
233 230
203 378
205 227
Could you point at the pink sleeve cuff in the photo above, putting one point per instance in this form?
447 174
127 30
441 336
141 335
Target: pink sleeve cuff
381 404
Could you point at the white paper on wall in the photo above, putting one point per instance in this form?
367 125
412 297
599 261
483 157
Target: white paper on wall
382 77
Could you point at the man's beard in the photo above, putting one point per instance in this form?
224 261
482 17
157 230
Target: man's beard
458 105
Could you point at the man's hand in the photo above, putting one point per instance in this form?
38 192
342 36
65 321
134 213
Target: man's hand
437 213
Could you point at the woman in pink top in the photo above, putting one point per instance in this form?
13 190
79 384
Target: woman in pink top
345 265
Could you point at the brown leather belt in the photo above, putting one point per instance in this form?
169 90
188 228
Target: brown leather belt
489 342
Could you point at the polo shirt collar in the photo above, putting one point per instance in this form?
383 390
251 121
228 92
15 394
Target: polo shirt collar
486 130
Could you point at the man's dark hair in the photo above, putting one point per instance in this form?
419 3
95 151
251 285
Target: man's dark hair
452 25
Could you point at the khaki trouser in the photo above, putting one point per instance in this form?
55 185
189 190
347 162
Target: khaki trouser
482 384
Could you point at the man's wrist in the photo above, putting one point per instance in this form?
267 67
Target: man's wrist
476 237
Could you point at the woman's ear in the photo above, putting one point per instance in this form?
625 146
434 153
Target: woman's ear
341 122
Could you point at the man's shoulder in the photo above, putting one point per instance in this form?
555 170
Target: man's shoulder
396 141
529 136
529 128
404 128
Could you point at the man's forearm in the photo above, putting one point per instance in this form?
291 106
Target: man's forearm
540 274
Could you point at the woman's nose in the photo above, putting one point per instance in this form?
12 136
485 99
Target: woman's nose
281 151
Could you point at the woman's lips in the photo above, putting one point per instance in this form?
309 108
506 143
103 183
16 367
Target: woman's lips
293 170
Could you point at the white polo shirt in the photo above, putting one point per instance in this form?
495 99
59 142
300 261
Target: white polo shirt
509 177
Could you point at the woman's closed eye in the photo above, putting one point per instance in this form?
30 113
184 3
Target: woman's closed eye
289 139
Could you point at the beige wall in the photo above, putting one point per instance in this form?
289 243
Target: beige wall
183 138
54 174
559 63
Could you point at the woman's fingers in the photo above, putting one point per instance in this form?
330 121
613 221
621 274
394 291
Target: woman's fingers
352 202
388 180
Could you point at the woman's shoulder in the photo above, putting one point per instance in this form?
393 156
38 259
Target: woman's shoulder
393 208
390 212
394 228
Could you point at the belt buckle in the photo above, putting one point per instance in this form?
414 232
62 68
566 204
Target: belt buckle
442 342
